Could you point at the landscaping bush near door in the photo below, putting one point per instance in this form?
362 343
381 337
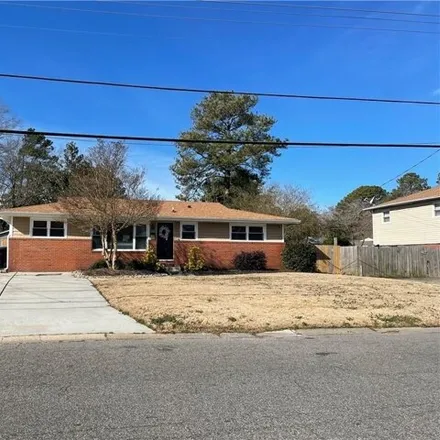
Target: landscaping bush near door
299 256
250 261
196 262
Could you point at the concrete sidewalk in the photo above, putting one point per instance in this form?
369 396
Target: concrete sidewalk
39 304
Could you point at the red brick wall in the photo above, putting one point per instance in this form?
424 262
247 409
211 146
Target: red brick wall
221 253
65 255
54 255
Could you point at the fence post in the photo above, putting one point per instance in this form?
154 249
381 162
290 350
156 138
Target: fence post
359 261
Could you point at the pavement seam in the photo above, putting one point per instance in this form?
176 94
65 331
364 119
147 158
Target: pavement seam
7 282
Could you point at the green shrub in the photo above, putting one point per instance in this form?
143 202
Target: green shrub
150 258
100 264
299 256
160 268
196 261
250 261
139 264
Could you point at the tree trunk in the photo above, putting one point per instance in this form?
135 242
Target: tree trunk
114 245
105 249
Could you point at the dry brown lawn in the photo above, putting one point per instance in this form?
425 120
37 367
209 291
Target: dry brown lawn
261 302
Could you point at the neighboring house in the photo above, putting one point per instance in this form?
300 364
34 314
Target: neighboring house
42 239
410 220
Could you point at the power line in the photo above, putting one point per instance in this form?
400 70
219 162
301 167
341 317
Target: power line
333 8
197 90
177 17
216 141
411 168
259 11
93 140
79 31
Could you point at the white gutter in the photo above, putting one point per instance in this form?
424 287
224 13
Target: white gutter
8 246
406 202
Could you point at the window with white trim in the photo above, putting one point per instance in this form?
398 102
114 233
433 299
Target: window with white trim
256 233
48 228
238 232
247 233
188 231
124 238
437 209
386 216
141 237
127 239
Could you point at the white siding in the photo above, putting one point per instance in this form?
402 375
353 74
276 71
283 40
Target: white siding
408 225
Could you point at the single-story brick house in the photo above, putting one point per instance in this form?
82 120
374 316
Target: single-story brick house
42 239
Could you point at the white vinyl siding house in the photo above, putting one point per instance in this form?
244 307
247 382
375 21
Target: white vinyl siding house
409 224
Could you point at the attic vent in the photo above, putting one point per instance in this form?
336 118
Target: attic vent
172 209
189 206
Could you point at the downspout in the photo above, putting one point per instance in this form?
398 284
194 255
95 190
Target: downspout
8 248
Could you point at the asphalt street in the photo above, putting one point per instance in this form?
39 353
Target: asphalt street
354 387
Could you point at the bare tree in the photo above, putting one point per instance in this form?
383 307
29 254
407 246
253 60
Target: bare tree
287 201
348 223
108 196
7 120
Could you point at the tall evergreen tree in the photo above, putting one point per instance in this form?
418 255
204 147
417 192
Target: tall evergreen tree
30 173
409 183
220 172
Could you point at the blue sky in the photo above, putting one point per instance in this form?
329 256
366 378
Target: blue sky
227 55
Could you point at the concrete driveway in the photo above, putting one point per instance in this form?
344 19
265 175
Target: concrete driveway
40 304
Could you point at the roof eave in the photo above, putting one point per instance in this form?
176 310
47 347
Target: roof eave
280 221
406 202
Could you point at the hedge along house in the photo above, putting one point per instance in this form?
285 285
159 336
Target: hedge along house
41 238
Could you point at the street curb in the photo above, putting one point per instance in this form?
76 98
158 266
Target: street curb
273 334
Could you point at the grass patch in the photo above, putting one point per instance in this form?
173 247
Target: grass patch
167 322
271 301
396 320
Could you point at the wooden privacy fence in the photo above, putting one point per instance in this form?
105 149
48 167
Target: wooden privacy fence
383 261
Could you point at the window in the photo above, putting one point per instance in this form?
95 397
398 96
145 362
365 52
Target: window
96 240
127 239
141 237
39 228
251 233
57 229
46 228
124 238
437 209
238 233
256 233
188 231
386 217
153 228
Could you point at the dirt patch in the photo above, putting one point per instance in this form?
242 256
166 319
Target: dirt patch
260 302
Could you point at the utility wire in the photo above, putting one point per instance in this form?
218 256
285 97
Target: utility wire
197 90
79 31
216 141
177 17
286 4
411 168
259 11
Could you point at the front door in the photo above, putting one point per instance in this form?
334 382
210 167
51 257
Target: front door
165 241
